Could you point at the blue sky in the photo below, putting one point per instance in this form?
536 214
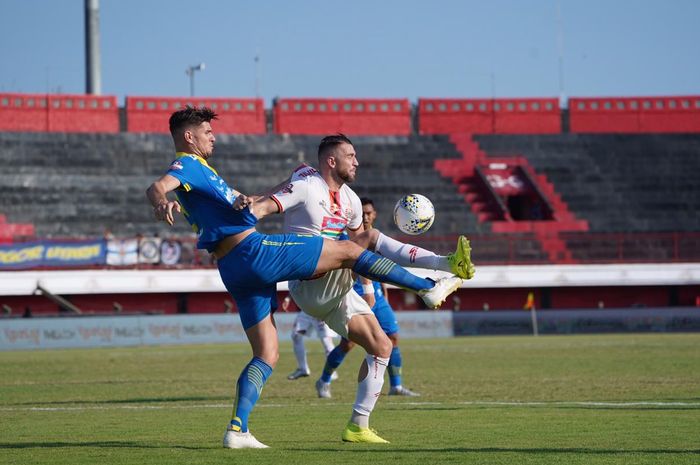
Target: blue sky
380 48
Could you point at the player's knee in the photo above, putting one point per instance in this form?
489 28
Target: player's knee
383 346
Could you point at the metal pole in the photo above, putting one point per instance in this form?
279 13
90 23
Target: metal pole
93 77
533 317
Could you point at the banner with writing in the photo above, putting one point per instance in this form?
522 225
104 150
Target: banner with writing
46 254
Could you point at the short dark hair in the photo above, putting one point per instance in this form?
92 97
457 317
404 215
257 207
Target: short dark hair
366 201
328 143
190 116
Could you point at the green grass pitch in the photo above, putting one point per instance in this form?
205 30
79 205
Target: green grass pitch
603 399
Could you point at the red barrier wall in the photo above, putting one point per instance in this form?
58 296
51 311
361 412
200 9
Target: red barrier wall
489 116
58 113
236 115
349 116
679 114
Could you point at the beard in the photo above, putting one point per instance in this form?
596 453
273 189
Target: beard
347 176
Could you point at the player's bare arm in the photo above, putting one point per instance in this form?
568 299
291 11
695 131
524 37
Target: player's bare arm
157 195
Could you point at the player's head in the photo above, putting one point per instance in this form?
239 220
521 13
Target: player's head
191 130
336 156
369 213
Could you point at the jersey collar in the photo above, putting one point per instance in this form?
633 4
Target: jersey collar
196 157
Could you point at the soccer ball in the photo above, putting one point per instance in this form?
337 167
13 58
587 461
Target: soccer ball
414 214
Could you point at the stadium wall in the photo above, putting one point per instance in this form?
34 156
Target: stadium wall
236 115
369 117
58 113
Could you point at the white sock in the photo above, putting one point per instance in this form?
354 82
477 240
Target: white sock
368 390
328 345
410 255
300 351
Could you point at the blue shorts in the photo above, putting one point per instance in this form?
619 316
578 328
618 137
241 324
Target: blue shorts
385 315
253 268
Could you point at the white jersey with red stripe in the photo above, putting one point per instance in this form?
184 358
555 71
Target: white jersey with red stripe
310 207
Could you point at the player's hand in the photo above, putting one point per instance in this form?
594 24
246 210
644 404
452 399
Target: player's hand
242 201
369 298
164 211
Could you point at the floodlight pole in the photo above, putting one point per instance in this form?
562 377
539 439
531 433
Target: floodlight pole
190 72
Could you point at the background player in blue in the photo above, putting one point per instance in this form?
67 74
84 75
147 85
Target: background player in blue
251 264
387 320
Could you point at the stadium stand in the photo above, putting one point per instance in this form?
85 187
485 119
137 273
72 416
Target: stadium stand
70 171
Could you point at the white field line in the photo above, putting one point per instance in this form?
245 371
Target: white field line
321 404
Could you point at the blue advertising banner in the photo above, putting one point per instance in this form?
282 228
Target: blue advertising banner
40 254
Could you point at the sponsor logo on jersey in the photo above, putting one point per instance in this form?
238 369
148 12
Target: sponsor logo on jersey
176 165
332 227
288 189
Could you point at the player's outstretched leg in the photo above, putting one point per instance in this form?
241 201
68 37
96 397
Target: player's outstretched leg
377 268
458 263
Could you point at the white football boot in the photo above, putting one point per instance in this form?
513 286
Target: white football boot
435 296
238 440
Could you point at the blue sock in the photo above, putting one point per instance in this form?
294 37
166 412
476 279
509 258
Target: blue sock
333 361
378 268
395 367
248 389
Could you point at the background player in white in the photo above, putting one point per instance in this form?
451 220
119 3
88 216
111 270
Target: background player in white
304 326
321 203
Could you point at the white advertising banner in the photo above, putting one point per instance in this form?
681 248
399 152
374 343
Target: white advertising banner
424 324
126 330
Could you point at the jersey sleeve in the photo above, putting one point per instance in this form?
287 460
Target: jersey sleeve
291 195
184 169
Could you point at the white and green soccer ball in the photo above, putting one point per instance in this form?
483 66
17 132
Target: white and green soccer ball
414 214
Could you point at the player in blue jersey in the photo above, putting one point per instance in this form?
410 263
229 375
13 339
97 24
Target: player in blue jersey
251 264
386 318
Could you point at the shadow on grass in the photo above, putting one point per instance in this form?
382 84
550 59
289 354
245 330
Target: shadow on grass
348 448
115 444
500 450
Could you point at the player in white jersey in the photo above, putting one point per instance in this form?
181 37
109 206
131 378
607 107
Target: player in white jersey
304 326
321 203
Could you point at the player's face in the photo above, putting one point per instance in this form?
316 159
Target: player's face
369 214
345 162
202 140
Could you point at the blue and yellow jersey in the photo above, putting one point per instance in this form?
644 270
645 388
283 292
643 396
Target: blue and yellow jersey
207 201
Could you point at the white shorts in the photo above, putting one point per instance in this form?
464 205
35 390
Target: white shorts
306 324
330 298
